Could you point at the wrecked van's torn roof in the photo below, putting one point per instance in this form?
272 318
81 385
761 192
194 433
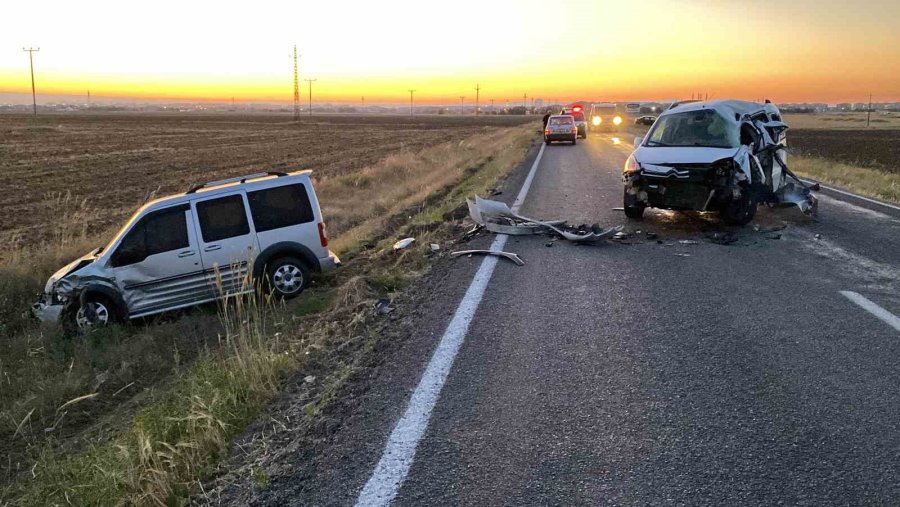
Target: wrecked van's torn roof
728 108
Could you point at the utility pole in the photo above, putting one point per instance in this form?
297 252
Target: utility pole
363 101
525 103
492 105
296 88
477 93
310 81
462 103
89 99
411 101
869 111
31 64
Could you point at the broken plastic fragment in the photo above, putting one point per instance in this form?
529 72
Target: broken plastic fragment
497 217
403 243
508 255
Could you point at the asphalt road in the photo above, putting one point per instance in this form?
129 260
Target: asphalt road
645 371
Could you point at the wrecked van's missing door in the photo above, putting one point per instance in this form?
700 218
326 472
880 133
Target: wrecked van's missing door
723 155
195 247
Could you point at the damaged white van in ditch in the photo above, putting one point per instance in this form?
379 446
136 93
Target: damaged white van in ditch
723 155
191 248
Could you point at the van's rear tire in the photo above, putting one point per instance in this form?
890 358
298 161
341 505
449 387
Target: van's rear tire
286 277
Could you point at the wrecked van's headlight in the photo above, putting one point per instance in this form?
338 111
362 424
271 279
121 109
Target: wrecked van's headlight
631 165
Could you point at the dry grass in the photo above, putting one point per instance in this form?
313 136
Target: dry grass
842 121
862 180
195 392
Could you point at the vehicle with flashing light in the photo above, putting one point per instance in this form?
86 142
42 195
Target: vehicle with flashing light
576 111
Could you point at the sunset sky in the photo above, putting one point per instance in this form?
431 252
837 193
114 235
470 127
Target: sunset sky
789 51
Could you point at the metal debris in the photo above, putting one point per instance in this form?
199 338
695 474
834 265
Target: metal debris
498 218
435 247
689 242
383 307
770 229
722 238
403 244
511 256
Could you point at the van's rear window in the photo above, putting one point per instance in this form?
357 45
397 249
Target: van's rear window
277 207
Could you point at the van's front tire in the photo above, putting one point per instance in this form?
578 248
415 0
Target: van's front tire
740 211
96 312
286 277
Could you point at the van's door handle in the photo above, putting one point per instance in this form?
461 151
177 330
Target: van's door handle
186 253
210 248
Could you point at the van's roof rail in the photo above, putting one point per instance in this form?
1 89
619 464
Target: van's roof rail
239 179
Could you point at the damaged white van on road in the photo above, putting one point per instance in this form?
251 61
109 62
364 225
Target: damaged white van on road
195 247
722 155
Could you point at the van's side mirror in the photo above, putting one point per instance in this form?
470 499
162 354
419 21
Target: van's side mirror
637 141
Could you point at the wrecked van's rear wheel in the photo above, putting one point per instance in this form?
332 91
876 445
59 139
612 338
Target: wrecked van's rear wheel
286 277
740 211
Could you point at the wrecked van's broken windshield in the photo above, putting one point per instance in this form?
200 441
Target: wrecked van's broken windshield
703 128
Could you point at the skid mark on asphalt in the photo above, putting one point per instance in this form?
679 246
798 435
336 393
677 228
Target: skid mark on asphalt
398 455
869 306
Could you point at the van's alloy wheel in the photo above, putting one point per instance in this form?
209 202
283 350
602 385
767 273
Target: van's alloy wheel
287 277
92 314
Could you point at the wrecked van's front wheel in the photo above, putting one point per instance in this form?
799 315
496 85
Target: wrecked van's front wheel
95 312
740 211
633 208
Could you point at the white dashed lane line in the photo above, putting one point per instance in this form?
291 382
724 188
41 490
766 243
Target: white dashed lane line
867 305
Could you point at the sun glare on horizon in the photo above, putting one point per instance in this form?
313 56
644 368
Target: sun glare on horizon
803 51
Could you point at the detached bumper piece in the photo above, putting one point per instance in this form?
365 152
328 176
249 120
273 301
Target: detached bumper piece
496 217
47 310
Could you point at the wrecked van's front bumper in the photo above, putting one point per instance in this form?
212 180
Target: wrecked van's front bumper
695 187
48 309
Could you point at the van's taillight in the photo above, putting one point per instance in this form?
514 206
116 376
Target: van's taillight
322 237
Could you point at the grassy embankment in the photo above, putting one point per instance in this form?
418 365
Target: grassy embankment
137 414
867 181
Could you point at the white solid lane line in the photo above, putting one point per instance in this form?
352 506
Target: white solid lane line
400 450
851 194
867 305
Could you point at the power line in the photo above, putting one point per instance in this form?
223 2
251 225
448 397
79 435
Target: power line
411 101
296 88
310 81
31 52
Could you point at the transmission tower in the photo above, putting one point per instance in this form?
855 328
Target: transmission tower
477 93
296 88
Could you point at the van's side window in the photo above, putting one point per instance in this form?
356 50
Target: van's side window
161 231
277 207
222 218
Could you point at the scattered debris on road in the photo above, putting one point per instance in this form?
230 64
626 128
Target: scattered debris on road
722 238
496 217
403 244
769 229
689 242
508 255
435 247
383 307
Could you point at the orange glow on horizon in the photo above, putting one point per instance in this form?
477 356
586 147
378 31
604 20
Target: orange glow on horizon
812 51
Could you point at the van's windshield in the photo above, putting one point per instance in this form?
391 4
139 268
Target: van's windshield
703 128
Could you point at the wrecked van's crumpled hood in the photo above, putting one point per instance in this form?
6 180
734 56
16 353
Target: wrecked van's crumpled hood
69 268
682 155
